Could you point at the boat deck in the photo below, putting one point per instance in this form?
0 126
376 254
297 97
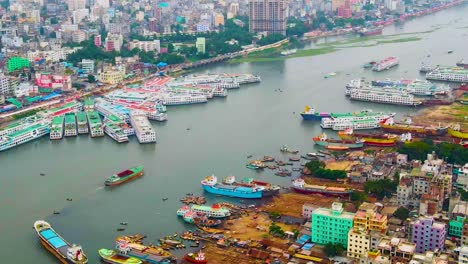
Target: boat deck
57 242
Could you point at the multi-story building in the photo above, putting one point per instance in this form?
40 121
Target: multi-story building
267 16
463 257
112 75
78 36
113 42
146 46
48 82
4 85
396 249
307 210
456 227
201 45
370 220
331 225
218 19
464 238
87 66
358 242
23 89
17 63
462 178
97 40
427 234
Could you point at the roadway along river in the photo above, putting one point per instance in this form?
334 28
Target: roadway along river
256 119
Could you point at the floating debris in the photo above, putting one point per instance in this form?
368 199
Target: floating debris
56 212
121 229
42 174
190 199
124 223
69 199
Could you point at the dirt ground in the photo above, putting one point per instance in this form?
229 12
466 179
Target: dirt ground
290 204
217 255
340 165
444 114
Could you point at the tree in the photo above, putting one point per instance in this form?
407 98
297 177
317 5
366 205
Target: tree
53 21
317 168
276 230
170 48
401 213
91 78
381 188
358 197
332 250
270 39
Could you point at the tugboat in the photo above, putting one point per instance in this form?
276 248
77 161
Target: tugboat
125 176
66 253
199 258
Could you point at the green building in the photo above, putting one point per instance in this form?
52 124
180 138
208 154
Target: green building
201 45
17 63
456 226
331 225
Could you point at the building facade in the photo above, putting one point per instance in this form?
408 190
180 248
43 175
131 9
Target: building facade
4 85
267 16
370 220
112 76
427 234
201 45
331 225
146 46
87 66
463 258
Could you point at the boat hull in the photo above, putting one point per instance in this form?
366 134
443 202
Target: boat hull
233 192
414 130
55 253
458 134
312 116
122 180
188 259
317 191
379 142
328 144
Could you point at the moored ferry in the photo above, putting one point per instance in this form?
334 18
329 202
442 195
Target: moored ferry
346 118
210 184
384 97
183 99
23 136
386 64
20 124
70 125
214 211
82 121
324 141
125 176
55 244
115 132
56 128
456 131
95 124
369 123
391 126
447 73
300 186
143 129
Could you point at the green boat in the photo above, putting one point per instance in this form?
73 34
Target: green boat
113 257
125 176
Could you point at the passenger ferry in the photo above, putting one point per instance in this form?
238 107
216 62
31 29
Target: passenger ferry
127 129
220 92
71 107
95 124
143 129
70 125
354 84
56 128
334 119
214 211
447 73
107 109
370 123
115 132
386 64
129 96
82 123
425 68
23 136
416 87
182 99
20 124
384 97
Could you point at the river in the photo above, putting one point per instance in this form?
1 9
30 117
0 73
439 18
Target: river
256 119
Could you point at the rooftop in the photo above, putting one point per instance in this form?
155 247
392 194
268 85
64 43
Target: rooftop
26 130
70 118
57 120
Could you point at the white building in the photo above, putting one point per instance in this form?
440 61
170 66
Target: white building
358 243
102 3
4 84
463 258
78 36
23 89
462 180
146 46
76 4
87 66
69 27
79 14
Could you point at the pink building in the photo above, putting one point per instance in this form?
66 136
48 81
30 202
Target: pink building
427 234
345 11
52 81
97 40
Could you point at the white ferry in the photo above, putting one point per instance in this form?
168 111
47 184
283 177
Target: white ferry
82 123
134 97
330 122
214 211
70 125
205 78
207 91
71 107
114 131
384 96
225 85
425 68
56 128
450 74
143 129
95 124
22 136
354 84
361 124
107 109
220 92
386 64
182 99
20 125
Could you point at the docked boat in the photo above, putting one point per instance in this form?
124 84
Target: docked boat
255 165
56 128
370 139
214 211
449 74
256 191
456 131
369 123
148 254
198 258
23 136
340 118
425 68
183 99
125 176
397 97
288 52
337 144
143 129
70 125
114 257
367 32
462 63
310 114
55 244
391 126
300 186
82 121
285 148
386 64
95 124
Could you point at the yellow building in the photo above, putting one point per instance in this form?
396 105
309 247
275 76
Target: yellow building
370 220
218 19
112 76
358 242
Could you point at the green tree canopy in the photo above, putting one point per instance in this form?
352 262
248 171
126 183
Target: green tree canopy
380 188
401 213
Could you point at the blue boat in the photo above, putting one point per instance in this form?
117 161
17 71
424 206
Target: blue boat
241 190
310 114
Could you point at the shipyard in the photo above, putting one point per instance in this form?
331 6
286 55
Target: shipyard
202 132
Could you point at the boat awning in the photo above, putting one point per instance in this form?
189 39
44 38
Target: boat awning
53 238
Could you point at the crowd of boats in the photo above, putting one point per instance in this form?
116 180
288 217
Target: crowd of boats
121 113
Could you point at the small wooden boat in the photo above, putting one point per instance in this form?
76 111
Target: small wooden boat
268 159
112 257
339 148
121 229
294 159
198 258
